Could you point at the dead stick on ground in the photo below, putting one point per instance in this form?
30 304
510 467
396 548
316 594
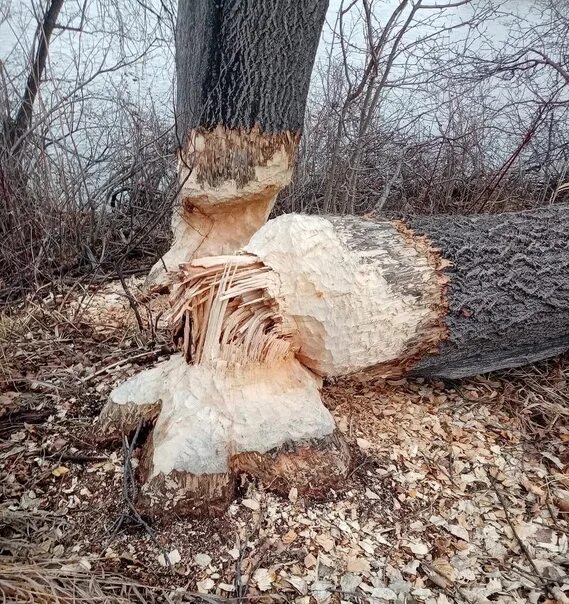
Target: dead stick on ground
543 581
76 457
131 300
136 357
447 590
129 495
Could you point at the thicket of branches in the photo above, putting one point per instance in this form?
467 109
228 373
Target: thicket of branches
438 107
428 106
87 152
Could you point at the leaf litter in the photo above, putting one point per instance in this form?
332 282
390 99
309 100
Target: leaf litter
459 492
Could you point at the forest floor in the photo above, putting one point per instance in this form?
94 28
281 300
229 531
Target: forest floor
459 490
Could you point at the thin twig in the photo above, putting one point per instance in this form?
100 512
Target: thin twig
523 548
124 361
129 496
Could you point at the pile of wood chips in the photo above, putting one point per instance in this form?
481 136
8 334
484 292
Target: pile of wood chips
459 492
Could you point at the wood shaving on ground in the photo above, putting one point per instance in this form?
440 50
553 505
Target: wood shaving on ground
459 491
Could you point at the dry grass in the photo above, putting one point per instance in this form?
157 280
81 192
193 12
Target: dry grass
538 394
71 582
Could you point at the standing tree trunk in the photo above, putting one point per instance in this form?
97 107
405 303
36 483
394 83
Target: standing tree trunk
23 119
243 75
243 72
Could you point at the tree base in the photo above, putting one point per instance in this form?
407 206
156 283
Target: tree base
213 422
312 467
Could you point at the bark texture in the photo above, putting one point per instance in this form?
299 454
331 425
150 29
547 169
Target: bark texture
508 290
311 466
245 63
43 36
243 72
448 296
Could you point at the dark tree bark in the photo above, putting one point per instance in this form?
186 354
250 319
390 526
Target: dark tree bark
508 290
23 118
245 63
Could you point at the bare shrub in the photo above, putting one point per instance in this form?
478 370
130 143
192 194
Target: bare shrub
421 110
87 169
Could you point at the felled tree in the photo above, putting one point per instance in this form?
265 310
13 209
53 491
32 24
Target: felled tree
314 296
243 72
445 296
306 297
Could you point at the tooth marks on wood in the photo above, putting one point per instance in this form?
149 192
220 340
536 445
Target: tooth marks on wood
223 154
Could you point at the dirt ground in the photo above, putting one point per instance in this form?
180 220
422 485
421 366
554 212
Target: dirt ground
459 490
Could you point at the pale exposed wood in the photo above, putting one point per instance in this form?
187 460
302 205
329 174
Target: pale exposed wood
358 293
446 296
243 72
231 311
217 419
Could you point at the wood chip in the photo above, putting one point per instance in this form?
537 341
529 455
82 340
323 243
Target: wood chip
289 537
358 565
458 531
205 586
203 560
173 556
252 504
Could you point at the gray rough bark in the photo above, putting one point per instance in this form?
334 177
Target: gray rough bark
508 291
245 63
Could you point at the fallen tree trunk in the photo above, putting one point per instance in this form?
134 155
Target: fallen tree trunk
445 296
325 296
508 290
243 71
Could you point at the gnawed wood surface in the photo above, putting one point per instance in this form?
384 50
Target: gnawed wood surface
447 296
218 419
224 311
357 292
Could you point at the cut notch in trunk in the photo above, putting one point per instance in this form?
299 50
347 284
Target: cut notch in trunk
222 310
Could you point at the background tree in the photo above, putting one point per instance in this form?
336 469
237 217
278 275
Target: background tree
97 173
